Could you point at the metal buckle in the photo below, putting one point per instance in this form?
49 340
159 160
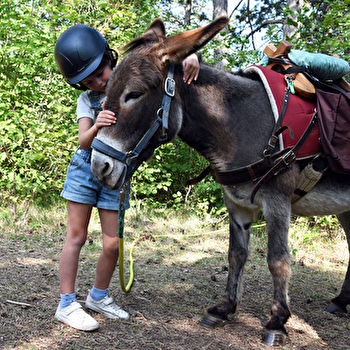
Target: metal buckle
170 87
272 141
130 156
164 137
289 157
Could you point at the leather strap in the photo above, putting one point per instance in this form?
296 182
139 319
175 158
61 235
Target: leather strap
287 159
249 173
274 138
200 177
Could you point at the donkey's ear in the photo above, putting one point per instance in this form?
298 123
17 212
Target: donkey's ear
181 45
154 33
156 29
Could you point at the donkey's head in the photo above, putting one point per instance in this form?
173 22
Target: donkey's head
136 89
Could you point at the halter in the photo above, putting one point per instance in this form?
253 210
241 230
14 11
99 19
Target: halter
130 158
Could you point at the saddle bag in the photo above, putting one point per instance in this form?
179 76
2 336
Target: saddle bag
333 112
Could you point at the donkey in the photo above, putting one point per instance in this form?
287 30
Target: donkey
228 119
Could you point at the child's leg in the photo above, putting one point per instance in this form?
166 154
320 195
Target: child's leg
77 228
69 311
109 256
98 299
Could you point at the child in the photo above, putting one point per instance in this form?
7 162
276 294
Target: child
84 58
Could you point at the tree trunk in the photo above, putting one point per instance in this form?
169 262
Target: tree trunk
220 9
188 12
295 6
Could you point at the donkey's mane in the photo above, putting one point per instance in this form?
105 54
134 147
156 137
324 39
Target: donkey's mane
151 36
137 43
249 75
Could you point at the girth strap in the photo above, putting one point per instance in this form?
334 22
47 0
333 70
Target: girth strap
251 172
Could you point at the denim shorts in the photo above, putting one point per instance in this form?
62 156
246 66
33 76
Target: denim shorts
82 186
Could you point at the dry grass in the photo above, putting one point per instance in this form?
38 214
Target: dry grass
180 270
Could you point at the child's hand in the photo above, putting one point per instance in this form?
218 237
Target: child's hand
190 67
105 118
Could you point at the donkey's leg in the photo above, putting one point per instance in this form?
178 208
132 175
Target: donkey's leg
240 222
277 215
339 303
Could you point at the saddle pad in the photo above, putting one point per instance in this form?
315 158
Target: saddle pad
298 114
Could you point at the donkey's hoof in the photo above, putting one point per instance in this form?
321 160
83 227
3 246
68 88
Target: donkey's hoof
211 321
275 338
333 308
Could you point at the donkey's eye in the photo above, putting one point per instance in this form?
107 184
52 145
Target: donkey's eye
133 96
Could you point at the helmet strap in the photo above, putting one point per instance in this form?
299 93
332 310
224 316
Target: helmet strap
79 86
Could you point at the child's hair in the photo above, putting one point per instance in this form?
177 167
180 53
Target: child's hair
109 57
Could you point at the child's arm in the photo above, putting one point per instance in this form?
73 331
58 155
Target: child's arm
87 131
190 67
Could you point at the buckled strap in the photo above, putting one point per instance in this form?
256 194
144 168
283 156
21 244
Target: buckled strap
286 159
200 177
248 173
148 135
169 94
273 140
282 163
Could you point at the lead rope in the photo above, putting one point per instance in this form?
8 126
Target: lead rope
122 197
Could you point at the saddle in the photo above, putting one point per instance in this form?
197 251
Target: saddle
302 68
279 62
322 82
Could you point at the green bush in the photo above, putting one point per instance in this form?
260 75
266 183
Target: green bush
38 131
162 180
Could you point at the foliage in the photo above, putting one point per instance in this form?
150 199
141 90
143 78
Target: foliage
34 104
38 133
324 30
173 11
324 26
38 130
163 179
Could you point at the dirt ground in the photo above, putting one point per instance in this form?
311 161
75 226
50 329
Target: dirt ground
166 302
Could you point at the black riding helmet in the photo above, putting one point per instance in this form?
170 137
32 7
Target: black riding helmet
78 53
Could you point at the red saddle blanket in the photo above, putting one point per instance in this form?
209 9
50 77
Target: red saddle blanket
298 113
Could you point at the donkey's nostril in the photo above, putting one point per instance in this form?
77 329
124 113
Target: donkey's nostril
106 169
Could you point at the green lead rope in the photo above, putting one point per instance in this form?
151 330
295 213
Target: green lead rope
122 197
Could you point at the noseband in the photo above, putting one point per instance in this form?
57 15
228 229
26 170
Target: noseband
130 158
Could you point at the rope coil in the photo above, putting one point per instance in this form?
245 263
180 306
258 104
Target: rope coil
122 197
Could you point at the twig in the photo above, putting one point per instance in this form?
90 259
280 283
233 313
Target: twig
18 303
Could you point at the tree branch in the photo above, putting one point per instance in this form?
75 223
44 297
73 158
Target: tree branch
264 24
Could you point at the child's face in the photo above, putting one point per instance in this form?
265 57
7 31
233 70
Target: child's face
98 80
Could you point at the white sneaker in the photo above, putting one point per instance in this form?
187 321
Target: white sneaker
74 316
107 307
